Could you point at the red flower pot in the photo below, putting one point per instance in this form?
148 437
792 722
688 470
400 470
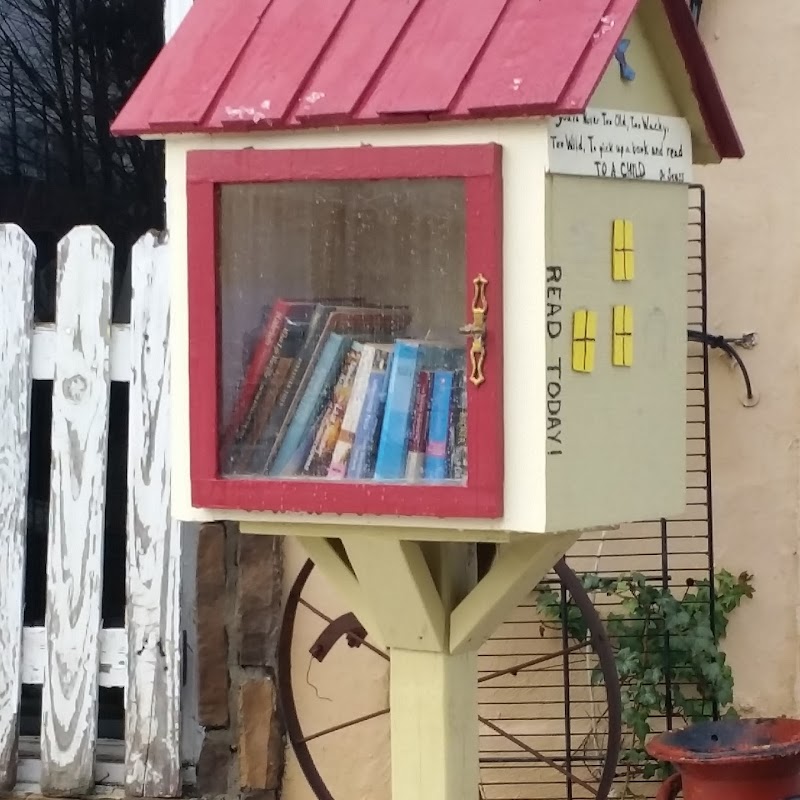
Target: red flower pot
753 759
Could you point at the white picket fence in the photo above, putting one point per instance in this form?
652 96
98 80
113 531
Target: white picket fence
73 654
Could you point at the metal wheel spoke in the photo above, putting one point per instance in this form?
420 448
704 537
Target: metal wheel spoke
344 726
592 733
536 754
355 637
535 662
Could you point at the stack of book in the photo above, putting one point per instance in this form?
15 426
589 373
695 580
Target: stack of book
336 391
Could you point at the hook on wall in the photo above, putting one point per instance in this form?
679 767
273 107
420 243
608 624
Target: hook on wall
728 346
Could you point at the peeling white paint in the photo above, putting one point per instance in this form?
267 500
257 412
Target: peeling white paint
44 353
248 113
77 509
17 256
113 667
607 24
152 716
36 353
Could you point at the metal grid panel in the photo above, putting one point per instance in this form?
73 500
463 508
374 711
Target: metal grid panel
554 708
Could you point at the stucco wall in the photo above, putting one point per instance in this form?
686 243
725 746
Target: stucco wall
754 241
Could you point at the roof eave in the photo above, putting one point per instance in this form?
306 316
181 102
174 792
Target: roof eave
716 115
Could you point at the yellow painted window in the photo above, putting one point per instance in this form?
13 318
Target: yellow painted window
622 351
584 340
623 255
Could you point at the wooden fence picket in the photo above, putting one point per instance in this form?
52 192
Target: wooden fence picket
152 714
17 255
81 391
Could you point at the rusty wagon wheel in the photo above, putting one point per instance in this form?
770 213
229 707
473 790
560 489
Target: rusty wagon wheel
588 762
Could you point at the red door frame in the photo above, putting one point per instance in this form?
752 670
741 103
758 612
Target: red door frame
480 166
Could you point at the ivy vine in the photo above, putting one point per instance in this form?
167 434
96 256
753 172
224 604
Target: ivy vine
667 652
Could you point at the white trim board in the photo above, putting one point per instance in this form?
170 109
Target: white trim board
113 656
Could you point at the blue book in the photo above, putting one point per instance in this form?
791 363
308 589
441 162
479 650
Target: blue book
299 434
390 464
361 456
435 468
441 356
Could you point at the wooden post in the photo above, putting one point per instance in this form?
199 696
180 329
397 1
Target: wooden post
517 568
152 700
81 387
17 255
434 723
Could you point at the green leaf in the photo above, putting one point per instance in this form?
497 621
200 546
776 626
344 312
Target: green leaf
591 582
641 730
712 671
632 756
650 770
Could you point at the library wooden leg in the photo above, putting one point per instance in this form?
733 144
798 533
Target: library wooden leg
434 726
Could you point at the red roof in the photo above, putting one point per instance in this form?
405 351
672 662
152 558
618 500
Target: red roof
277 64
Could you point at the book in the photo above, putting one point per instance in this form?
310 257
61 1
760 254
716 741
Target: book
251 337
418 438
362 323
245 449
442 355
286 396
457 455
319 458
262 351
300 431
373 358
438 424
390 462
365 443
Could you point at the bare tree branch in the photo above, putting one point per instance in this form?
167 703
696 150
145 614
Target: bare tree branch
69 65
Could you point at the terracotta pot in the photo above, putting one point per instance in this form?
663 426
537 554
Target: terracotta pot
754 759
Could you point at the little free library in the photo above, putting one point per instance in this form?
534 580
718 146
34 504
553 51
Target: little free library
428 290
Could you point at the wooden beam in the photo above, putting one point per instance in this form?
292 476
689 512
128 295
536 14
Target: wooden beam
454 567
17 256
77 511
517 568
433 535
153 698
44 352
434 725
329 557
113 669
398 586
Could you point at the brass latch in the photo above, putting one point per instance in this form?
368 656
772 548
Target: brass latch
477 330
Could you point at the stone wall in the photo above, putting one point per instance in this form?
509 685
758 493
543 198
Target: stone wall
238 621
